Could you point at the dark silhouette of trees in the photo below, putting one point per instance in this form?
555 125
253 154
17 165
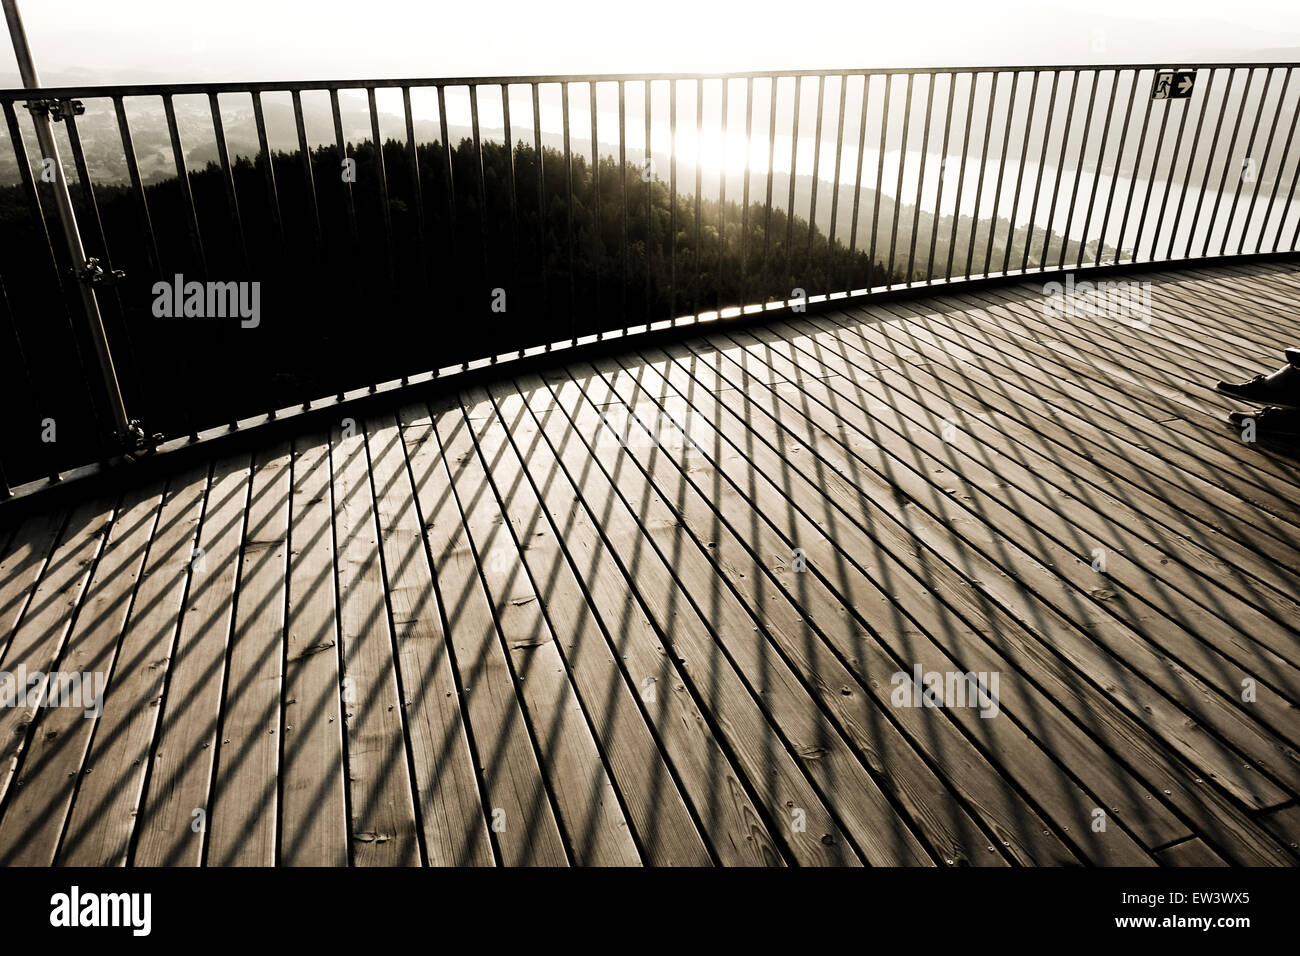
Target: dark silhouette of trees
378 291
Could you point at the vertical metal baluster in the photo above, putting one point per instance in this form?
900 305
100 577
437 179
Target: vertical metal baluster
789 208
1263 163
649 180
1060 169
87 187
137 184
767 203
514 202
88 193
1101 159
483 219
943 168
857 180
308 177
880 185
1132 186
23 162
722 201
122 428
835 187
1078 168
898 190
1227 161
568 186
1169 177
191 212
744 203
961 169
38 219
541 196
272 195
595 212
699 191
622 170
816 174
30 388
417 190
1277 180
1192 154
384 209
183 180
449 184
341 144
1241 179
227 175
1114 179
920 179
1002 167
1151 177
1020 173
1209 164
672 200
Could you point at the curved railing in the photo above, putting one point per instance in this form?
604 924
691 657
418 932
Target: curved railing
254 253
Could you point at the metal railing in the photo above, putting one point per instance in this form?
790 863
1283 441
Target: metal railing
500 215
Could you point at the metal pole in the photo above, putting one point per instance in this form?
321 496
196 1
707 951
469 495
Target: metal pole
122 426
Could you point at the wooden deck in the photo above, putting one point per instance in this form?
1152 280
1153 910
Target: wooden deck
485 631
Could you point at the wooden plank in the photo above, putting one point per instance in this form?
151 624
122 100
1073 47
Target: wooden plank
1193 852
383 828
1235 824
25 560
103 813
655 806
524 829
1051 532
1126 367
1182 329
1198 325
729 819
1075 465
313 803
1103 718
1127 653
1284 824
451 808
1239 606
1057 368
1247 298
176 801
860 706
53 743
242 827
907 636
1215 453
588 809
1191 508
764 738
48 618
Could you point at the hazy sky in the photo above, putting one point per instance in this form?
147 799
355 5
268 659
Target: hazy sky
175 40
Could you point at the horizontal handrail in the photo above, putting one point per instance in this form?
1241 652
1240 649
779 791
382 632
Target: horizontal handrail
381 244
274 86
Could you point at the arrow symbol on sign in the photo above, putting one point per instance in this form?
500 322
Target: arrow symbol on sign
1184 84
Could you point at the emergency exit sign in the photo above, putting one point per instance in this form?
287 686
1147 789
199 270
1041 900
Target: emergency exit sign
1173 84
